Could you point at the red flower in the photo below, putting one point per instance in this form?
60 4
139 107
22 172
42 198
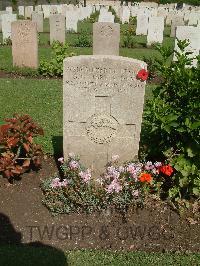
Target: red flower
143 74
144 177
166 170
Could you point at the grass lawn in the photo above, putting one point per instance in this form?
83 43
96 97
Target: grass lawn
30 256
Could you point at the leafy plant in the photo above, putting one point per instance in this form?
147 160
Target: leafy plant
18 152
54 67
94 17
116 18
128 38
7 41
172 121
133 20
83 40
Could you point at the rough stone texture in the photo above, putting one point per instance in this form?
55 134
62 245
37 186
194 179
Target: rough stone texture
38 18
57 28
25 44
142 24
7 19
192 34
106 38
176 21
102 108
155 30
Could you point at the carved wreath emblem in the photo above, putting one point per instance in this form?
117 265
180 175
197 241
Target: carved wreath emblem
101 128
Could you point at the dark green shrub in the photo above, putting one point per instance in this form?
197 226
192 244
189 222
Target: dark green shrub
54 67
172 122
83 40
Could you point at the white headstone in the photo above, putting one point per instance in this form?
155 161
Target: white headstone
21 10
192 34
102 108
142 25
7 19
155 30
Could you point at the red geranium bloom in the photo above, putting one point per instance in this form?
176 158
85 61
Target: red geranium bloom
166 169
143 74
144 177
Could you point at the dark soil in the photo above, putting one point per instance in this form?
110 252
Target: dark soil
23 219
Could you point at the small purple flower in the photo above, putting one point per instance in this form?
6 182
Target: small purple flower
55 183
71 155
64 183
114 187
158 164
61 160
149 166
115 158
85 175
74 165
135 193
121 169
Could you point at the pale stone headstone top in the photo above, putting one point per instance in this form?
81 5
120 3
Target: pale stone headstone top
155 30
1 14
176 21
102 108
24 44
21 10
106 38
57 28
142 24
38 17
28 11
7 19
192 34
9 9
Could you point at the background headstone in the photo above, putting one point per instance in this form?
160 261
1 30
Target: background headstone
28 12
38 18
106 38
57 28
142 24
24 44
192 34
176 21
102 108
155 30
21 11
7 19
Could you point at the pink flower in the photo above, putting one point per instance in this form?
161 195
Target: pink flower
64 183
85 175
112 172
158 164
55 183
115 158
121 169
74 165
114 187
71 155
61 160
149 166
135 193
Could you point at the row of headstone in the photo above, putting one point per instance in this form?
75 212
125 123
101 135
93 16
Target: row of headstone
25 41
